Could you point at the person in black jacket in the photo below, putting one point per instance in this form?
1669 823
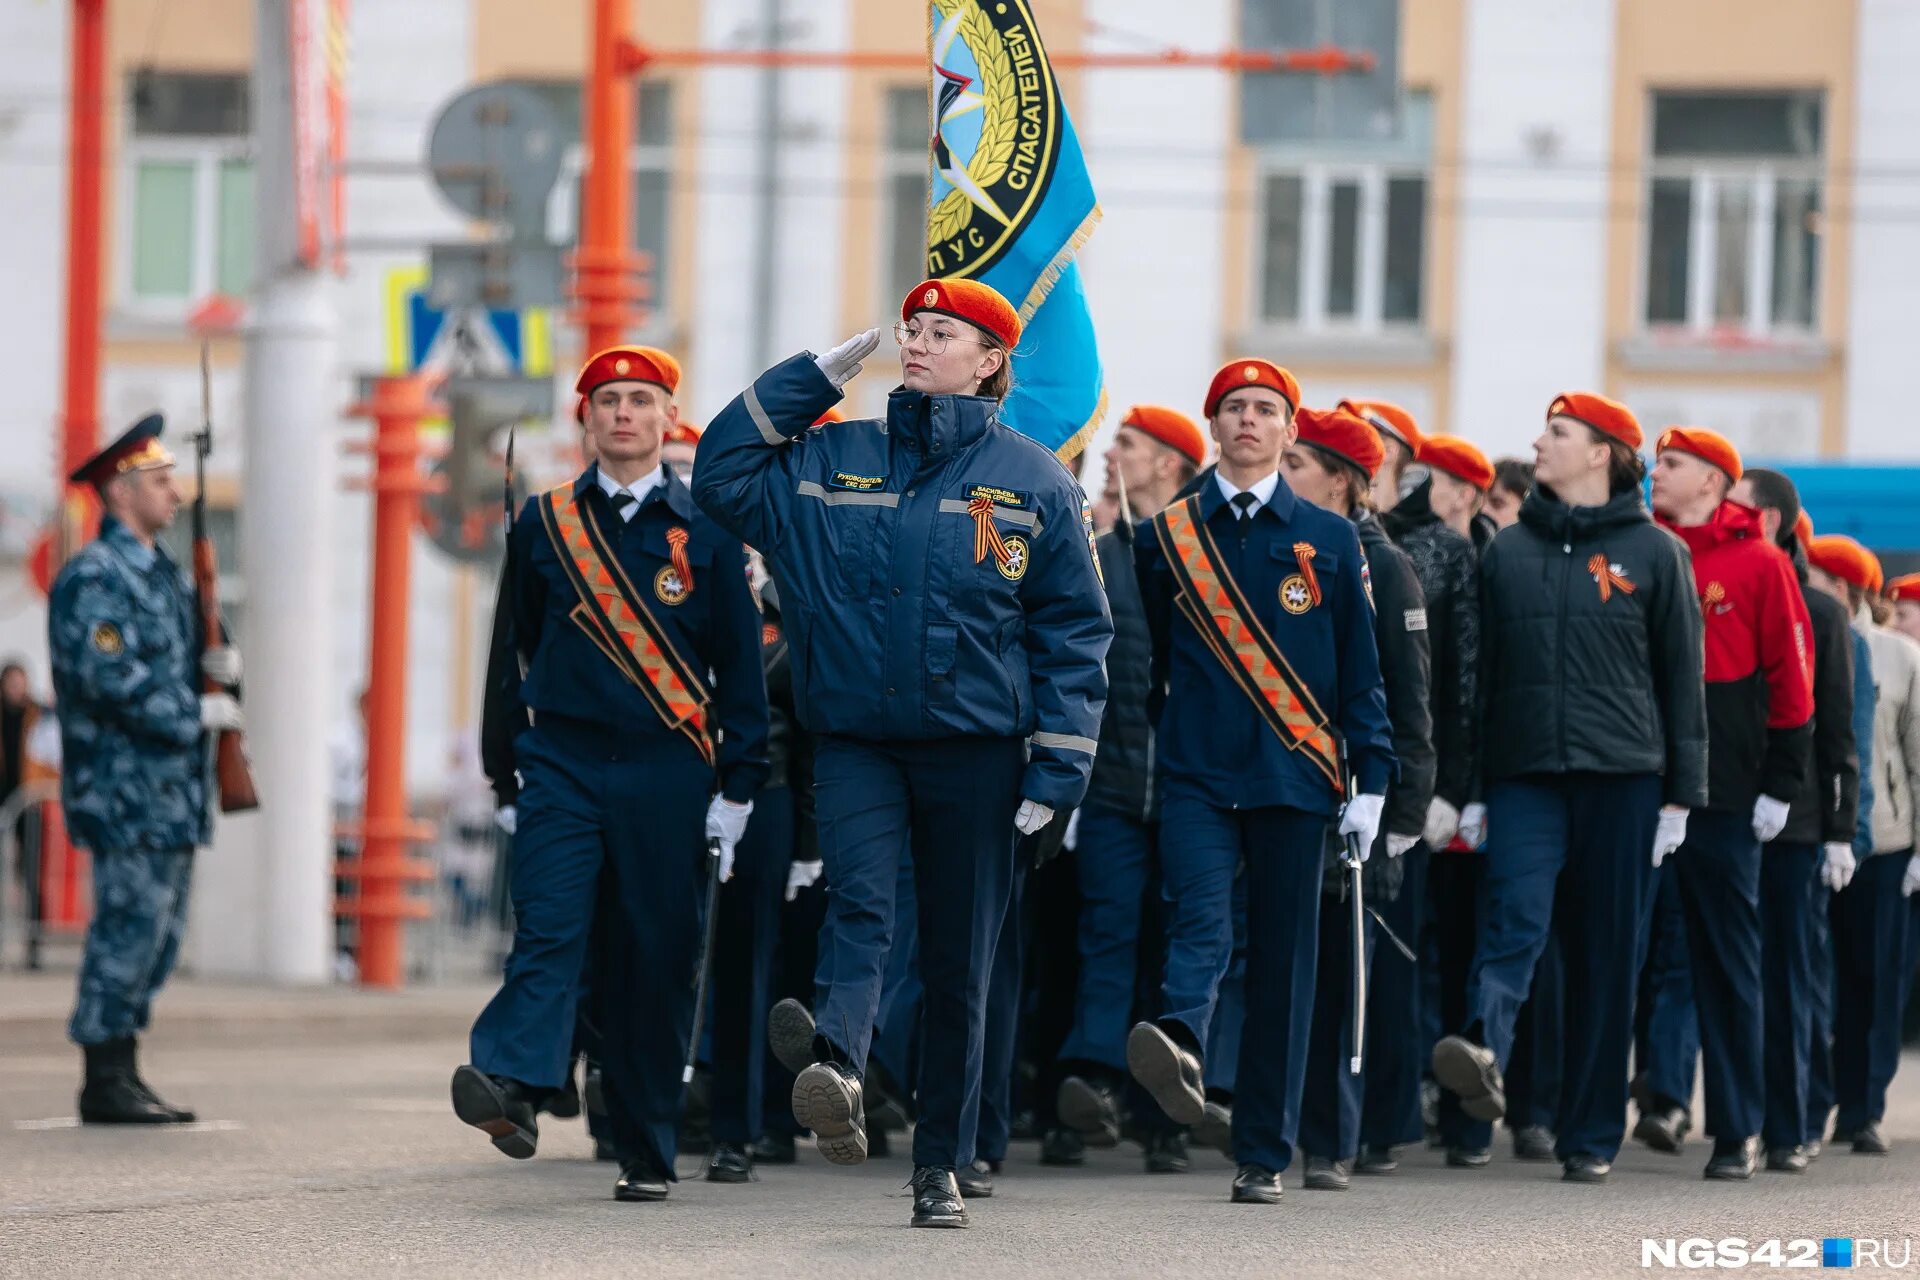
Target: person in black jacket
1332 465
1818 833
1595 743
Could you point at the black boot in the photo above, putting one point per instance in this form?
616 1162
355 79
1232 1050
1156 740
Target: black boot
936 1198
729 1163
111 1093
1088 1107
1664 1128
502 1109
1256 1184
179 1115
976 1180
827 1100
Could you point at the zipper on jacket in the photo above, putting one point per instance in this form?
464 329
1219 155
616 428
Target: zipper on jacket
1560 640
1146 802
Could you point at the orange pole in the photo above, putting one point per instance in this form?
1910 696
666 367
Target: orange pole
604 261
86 175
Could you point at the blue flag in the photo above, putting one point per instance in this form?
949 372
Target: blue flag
1010 204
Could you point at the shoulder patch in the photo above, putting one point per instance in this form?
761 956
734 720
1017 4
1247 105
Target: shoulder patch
1416 619
106 639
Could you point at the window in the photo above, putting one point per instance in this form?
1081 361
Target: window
1734 212
1342 241
651 161
904 193
188 206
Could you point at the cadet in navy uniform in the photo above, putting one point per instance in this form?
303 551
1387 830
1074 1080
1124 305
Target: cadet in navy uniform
134 781
1263 652
643 696
948 629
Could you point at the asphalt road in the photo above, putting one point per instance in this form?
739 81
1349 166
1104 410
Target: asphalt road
328 1156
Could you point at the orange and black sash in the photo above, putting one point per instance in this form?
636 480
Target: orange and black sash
1212 601
617 621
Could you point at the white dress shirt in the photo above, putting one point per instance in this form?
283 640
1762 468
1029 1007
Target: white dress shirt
1262 491
639 489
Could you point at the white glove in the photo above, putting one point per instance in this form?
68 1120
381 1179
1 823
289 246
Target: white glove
1031 817
1910 883
727 822
841 363
1397 845
1769 817
507 818
1361 818
1473 825
221 664
1443 822
1837 871
802 875
1670 834
220 711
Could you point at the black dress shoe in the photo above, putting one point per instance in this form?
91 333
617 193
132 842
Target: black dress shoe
563 1103
1216 1126
827 1100
729 1163
1377 1162
976 1180
1471 1072
1869 1141
639 1180
1533 1142
1167 1152
1732 1161
1256 1184
502 1109
1584 1169
1168 1071
1664 1129
1063 1149
178 1115
1089 1108
936 1198
774 1148
1327 1175
790 1035
1786 1160
1468 1157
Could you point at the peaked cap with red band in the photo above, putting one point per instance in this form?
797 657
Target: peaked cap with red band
1709 446
1171 428
1459 458
978 304
1608 417
1252 372
137 449
629 364
1347 436
1390 418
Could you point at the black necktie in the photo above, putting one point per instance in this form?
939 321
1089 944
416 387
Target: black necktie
624 503
1243 504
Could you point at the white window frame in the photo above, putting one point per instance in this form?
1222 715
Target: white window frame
1317 180
1705 179
206 154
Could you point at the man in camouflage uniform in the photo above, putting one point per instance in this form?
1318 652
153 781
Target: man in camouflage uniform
124 638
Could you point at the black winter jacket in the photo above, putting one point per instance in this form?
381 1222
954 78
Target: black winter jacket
1593 649
1825 809
1400 629
1448 568
1122 778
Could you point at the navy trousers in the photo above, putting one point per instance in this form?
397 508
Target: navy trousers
1719 868
1202 848
745 941
1456 892
1331 1103
793 977
1667 1042
635 806
1115 856
1397 1050
895 1054
1820 997
1592 836
1873 959
1533 1073
1004 991
1220 1064
950 803
1786 973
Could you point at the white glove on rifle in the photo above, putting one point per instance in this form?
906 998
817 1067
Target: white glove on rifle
1443 823
802 875
1837 871
841 363
1910 883
1769 817
1031 817
727 822
1397 845
220 711
1361 818
1670 834
1473 825
221 664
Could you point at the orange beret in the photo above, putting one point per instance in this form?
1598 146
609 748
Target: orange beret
1905 587
1171 428
629 364
1252 372
1708 446
1390 418
1803 527
969 300
831 415
1459 458
1846 560
681 433
1608 417
1347 436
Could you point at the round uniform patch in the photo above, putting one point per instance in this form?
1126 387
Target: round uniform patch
1250 373
106 639
622 365
1014 567
930 297
1295 595
667 585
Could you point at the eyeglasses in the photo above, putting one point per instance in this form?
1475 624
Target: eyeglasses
936 341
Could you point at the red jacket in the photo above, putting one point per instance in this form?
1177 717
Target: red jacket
1759 660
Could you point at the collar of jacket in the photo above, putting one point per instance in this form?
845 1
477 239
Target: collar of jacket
679 499
939 426
1211 499
1730 522
1798 554
1545 514
129 548
1367 525
1412 512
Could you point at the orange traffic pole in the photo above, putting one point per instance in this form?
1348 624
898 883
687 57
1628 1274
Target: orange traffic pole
86 175
605 263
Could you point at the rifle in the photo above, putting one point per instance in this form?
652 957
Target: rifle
230 770
1355 858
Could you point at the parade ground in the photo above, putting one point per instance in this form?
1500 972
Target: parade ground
326 1148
